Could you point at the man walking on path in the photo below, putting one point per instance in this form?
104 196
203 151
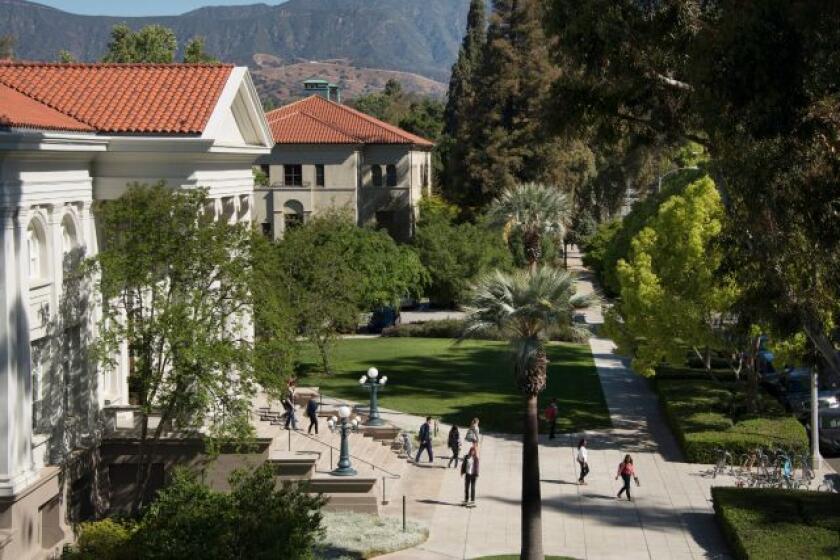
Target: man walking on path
551 417
425 440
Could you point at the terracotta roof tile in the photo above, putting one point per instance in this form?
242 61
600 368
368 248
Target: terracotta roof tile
341 118
124 98
301 128
17 110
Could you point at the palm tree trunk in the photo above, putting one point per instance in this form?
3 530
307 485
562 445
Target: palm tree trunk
532 546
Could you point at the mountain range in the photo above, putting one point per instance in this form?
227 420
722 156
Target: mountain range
419 37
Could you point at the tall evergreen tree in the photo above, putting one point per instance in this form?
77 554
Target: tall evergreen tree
510 143
460 106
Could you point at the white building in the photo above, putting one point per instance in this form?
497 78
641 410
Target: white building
328 155
72 134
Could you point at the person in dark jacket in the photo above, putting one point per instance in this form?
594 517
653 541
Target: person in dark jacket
312 413
454 445
469 470
425 440
289 407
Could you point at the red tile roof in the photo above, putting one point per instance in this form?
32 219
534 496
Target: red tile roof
114 98
315 120
17 110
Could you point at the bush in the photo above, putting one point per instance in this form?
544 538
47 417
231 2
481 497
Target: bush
764 524
704 417
103 540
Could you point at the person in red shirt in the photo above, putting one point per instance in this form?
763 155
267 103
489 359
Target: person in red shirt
626 471
551 417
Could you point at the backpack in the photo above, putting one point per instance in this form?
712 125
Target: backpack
470 437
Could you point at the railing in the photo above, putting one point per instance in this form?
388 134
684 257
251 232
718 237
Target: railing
284 185
332 447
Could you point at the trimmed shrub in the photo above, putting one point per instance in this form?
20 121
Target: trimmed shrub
766 524
451 328
104 540
703 416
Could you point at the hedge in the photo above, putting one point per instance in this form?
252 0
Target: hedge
451 328
700 413
761 523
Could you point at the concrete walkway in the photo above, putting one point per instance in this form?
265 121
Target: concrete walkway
671 517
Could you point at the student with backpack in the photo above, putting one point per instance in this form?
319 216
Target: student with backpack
425 440
582 457
454 445
312 413
626 471
473 434
551 417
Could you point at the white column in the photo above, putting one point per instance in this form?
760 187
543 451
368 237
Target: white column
16 466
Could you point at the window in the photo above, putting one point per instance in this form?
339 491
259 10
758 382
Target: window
293 175
37 245
376 173
292 221
424 174
391 171
266 229
319 175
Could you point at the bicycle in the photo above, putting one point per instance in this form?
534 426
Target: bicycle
724 460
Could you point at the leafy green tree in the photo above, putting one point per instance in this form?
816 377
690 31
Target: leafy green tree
535 211
753 83
152 43
194 52
66 57
332 270
455 254
7 46
672 293
257 519
523 305
176 289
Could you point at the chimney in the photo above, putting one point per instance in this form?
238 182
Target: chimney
325 89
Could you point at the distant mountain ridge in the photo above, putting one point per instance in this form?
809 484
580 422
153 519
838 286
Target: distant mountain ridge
416 36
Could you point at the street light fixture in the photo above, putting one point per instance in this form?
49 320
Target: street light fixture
345 425
374 383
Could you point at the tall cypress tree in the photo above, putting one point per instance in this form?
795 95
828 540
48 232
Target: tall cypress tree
460 106
511 143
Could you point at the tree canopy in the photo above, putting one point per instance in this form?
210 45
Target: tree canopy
152 43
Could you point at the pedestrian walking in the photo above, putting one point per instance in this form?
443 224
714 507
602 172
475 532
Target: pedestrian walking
626 471
454 445
582 457
425 440
551 417
289 408
469 470
312 413
473 433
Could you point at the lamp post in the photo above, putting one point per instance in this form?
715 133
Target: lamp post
345 425
374 383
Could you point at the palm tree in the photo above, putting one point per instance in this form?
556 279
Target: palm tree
535 210
522 305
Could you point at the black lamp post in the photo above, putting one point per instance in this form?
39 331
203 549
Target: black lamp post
345 425
374 383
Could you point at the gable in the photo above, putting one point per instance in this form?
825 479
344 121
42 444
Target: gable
238 118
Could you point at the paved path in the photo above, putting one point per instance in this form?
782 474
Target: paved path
671 517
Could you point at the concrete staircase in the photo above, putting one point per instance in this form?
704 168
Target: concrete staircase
298 456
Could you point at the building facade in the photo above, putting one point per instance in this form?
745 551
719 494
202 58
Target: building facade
330 156
71 135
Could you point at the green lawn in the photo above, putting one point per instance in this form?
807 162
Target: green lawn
459 382
764 524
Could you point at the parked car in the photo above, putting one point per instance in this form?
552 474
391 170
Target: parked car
829 419
796 393
383 318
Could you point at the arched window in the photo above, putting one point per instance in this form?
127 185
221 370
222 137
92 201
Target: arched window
69 237
376 172
36 242
293 215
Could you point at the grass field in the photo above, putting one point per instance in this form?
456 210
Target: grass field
459 382
764 524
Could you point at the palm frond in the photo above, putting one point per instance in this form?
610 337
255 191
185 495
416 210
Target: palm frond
532 207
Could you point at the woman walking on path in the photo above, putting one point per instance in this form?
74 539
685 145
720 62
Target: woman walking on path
582 457
626 471
473 434
312 413
469 470
454 445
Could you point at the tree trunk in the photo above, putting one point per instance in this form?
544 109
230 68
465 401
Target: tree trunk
532 546
533 249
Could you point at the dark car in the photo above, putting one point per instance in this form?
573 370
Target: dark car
830 431
383 318
796 393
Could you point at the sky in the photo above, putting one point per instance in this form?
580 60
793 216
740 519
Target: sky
141 7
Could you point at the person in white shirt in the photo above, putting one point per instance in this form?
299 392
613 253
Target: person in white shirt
582 457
